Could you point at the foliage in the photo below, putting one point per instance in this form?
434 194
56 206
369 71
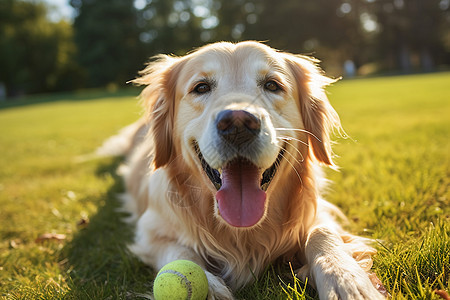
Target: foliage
36 55
397 34
108 41
393 185
169 26
411 28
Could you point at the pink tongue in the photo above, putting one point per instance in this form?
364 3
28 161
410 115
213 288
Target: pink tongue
240 199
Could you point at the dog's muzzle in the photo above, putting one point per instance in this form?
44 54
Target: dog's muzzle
241 184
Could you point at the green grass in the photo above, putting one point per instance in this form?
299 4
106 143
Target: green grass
393 184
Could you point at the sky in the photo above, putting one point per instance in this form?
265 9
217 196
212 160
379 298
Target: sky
62 10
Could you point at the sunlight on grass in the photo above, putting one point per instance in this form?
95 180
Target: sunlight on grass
393 184
395 171
400 264
298 290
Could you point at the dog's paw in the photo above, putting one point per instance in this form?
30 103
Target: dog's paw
342 278
218 290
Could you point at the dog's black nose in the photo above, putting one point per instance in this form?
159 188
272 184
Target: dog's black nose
238 127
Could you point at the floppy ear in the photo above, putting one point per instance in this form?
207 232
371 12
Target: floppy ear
158 98
319 117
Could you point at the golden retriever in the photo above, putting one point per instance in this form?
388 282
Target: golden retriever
224 170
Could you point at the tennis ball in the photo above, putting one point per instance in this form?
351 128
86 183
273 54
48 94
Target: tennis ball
180 279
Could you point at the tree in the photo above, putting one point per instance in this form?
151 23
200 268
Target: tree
170 26
412 28
391 33
318 27
36 55
107 37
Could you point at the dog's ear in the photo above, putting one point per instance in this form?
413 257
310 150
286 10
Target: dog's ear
158 98
319 117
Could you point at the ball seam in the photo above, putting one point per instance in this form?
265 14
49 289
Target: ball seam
184 278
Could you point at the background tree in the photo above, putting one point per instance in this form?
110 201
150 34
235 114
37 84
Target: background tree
412 32
108 42
329 29
36 55
169 26
394 34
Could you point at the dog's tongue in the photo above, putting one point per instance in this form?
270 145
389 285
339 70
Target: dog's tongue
240 199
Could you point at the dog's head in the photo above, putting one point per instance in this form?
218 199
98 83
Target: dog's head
239 115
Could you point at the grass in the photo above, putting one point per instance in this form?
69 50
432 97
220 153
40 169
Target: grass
393 185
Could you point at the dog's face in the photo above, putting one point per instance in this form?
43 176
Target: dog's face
240 115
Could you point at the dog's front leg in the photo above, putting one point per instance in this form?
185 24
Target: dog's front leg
156 244
334 271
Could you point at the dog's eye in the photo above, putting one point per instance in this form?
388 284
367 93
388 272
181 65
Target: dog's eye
202 88
272 86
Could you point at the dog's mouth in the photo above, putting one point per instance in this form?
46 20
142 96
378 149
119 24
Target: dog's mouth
241 188
216 175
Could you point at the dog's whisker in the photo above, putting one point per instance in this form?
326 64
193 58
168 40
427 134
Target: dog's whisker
288 138
296 171
295 158
301 130
295 148
298 151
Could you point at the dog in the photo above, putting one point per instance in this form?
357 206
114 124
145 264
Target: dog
224 169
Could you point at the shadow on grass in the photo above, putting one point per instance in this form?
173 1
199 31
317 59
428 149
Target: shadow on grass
97 262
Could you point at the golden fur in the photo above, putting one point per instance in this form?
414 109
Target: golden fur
172 199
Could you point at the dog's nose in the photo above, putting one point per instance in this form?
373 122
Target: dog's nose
237 126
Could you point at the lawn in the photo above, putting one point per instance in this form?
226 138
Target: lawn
393 185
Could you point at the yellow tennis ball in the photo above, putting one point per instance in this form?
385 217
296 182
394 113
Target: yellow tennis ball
181 279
